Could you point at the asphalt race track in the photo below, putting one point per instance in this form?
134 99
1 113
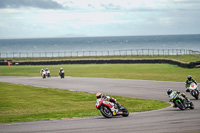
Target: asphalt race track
160 121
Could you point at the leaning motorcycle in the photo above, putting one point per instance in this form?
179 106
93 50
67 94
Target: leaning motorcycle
109 109
194 90
180 102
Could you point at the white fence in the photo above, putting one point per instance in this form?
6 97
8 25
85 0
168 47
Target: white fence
100 53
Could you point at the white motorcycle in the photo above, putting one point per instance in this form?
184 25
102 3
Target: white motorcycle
194 90
48 73
62 74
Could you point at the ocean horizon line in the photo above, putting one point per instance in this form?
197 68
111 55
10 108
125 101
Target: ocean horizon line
100 36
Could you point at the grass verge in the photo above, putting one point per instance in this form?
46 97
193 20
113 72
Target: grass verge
19 103
159 72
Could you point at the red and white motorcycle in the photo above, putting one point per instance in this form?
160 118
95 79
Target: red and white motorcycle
44 74
109 109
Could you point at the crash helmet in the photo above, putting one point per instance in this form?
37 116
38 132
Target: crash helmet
189 77
169 91
99 95
61 69
46 69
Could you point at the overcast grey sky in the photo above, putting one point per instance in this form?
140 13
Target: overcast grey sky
66 18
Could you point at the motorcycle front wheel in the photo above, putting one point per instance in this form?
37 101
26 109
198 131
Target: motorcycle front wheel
180 105
191 105
196 94
125 112
106 112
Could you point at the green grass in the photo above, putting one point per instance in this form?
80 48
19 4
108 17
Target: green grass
182 58
20 103
159 72
27 103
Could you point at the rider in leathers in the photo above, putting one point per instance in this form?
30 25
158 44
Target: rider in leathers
104 97
170 92
41 71
188 82
61 69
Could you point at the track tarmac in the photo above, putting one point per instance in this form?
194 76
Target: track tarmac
159 121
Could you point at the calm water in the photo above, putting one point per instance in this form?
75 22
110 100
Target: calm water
101 43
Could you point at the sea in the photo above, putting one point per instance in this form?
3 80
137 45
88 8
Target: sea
191 42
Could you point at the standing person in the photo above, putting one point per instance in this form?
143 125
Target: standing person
188 82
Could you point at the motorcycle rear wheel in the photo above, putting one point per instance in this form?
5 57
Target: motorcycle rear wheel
106 112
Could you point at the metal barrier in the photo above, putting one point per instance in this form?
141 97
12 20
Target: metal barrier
137 52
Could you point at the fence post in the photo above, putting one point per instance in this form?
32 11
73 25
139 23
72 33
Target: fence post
142 52
153 52
163 52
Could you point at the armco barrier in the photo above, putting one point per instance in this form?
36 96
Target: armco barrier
118 61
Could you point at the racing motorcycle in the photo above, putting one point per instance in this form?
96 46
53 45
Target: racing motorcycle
109 109
48 73
62 74
43 74
193 90
180 102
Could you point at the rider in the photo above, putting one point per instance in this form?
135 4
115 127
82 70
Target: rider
188 82
41 71
170 92
104 97
61 69
47 72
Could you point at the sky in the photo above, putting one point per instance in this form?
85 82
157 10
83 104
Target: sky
75 18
